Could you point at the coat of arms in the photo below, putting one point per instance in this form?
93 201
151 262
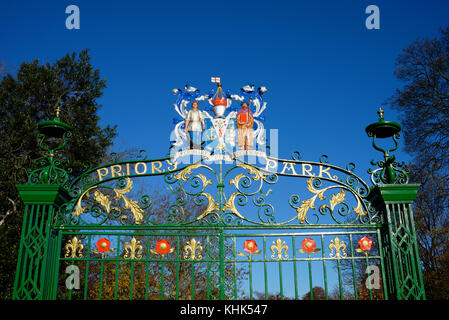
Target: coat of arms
219 122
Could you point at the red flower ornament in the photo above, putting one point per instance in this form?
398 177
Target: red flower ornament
308 246
163 247
249 246
103 246
365 245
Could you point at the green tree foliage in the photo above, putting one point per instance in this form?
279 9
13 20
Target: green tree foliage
423 104
27 98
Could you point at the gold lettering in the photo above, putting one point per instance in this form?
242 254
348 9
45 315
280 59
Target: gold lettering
144 166
304 170
174 165
127 168
118 171
326 171
100 176
291 166
157 168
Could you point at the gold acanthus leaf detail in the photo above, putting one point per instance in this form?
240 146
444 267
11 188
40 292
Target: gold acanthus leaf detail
337 199
183 175
103 200
230 205
359 210
211 206
129 204
205 181
319 193
79 209
257 174
236 180
304 208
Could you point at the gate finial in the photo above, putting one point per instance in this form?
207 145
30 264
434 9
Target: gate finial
390 171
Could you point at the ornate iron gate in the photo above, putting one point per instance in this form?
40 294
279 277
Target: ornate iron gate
232 230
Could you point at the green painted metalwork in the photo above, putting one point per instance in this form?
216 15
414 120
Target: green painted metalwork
220 231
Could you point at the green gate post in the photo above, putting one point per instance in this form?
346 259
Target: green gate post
37 269
392 196
403 266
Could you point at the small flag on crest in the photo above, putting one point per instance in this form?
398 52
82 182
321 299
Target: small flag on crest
215 79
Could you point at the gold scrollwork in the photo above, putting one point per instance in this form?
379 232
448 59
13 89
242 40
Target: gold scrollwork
336 199
129 204
277 250
193 246
73 247
230 205
133 249
335 247
106 202
211 206
257 175
184 174
309 203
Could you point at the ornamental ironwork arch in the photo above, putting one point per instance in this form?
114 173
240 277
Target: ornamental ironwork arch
219 215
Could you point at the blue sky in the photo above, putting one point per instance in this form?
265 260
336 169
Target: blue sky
325 71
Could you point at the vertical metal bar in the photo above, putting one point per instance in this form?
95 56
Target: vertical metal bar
415 249
250 280
280 280
117 268
295 273
265 266
323 256
100 290
131 286
221 261
147 267
162 280
381 254
56 274
35 260
393 257
87 267
208 276
309 262
192 284
339 278
178 262
354 277
235 267
369 283
19 279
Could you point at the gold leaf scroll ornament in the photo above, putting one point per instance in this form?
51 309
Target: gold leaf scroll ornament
106 202
309 203
129 204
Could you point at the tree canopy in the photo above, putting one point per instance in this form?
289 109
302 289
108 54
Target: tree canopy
27 97
423 105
